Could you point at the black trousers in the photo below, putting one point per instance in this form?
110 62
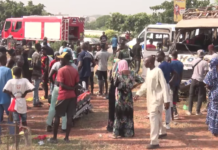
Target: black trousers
201 94
111 111
45 86
91 79
137 65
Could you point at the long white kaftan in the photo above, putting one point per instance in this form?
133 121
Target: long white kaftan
157 93
155 88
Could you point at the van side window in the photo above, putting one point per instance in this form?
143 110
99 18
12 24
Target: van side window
7 25
18 26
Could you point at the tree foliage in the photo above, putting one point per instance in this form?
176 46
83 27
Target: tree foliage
100 23
9 8
164 12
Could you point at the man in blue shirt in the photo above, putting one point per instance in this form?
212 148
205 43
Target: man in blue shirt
169 75
5 75
84 61
178 67
114 43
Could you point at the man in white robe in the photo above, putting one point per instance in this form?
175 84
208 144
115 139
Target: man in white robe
156 90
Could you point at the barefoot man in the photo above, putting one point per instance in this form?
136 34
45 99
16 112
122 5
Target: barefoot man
157 94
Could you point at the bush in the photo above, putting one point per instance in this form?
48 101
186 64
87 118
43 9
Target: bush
92 36
56 45
110 33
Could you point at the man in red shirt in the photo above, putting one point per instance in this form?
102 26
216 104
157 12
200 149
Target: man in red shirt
67 80
150 46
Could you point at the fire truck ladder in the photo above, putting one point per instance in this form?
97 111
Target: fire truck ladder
65 29
206 12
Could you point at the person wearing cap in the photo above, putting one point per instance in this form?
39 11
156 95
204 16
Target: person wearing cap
67 80
56 59
200 68
51 113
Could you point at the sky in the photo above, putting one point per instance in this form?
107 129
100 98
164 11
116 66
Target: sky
97 7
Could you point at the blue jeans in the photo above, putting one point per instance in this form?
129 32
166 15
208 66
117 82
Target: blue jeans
36 91
16 117
51 87
4 107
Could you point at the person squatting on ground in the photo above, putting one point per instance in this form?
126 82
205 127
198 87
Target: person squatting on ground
101 58
67 80
200 68
157 93
211 81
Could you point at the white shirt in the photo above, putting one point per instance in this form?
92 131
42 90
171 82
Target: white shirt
200 69
156 90
57 66
18 87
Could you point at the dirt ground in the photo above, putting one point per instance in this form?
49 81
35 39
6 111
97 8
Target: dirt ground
89 132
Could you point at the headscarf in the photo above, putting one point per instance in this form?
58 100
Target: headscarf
213 65
122 66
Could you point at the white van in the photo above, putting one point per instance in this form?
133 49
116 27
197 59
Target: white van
141 36
161 36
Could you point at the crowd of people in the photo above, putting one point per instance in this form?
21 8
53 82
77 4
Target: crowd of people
69 67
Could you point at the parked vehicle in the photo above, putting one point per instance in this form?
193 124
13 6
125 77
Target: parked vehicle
34 28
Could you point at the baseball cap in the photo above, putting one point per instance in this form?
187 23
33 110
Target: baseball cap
200 53
64 55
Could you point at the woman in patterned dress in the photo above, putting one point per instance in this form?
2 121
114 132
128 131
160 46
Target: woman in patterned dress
124 82
112 99
211 81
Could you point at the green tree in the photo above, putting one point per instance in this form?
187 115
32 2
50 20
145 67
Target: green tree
164 12
116 21
99 23
9 8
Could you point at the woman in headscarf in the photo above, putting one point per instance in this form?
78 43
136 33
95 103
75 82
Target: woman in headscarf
124 82
211 81
112 99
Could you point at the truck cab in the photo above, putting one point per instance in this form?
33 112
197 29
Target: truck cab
14 27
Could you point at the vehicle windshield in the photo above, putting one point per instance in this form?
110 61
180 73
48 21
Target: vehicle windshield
191 40
157 41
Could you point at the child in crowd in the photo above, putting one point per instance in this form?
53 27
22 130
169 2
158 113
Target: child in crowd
18 88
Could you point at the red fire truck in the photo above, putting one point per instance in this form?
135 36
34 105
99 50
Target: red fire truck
34 28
